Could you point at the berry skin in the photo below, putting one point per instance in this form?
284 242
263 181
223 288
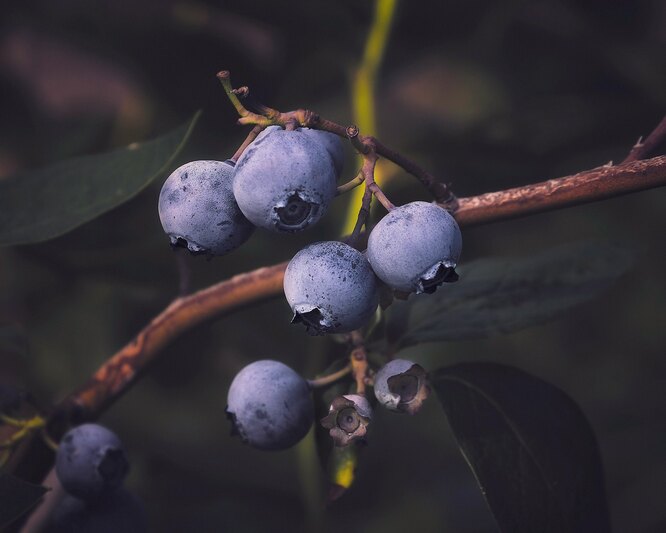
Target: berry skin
333 145
90 461
401 386
330 288
198 210
118 511
415 248
284 181
269 405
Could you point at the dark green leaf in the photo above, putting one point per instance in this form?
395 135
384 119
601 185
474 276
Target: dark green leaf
530 447
502 295
16 497
46 203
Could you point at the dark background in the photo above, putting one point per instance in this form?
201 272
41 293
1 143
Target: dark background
487 95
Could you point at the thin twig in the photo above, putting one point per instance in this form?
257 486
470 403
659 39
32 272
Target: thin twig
359 361
363 214
248 140
331 378
351 184
642 149
303 117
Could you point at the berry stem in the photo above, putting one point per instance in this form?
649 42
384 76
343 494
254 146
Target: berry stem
225 79
351 184
248 140
368 170
363 214
269 116
359 361
330 378
379 194
357 142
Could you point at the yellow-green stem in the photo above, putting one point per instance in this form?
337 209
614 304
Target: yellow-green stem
363 90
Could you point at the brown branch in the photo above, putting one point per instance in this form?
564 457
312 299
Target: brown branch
642 149
588 186
119 372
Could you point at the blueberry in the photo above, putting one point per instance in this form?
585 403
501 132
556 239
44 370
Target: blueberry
91 461
401 386
348 418
269 405
333 145
198 209
330 288
118 511
415 248
284 181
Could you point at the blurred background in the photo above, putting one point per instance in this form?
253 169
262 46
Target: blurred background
487 95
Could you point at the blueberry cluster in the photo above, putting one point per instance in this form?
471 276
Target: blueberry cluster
91 465
284 182
333 288
270 405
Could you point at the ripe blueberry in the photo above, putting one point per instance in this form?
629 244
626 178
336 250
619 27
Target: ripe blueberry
415 248
330 288
333 145
284 181
198 210
401 386
269 405
90 461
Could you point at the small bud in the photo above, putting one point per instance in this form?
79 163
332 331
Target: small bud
401 386
348 418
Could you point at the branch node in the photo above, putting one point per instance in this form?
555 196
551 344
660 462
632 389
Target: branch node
359 143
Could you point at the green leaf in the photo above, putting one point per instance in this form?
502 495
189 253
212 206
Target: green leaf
530 447
502 295
43 204
17 497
